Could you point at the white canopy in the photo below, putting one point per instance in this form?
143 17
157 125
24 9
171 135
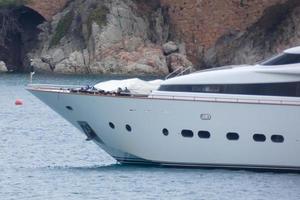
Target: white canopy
134 85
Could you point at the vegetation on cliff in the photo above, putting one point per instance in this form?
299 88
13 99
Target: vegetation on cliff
8 22
62 28
4 3
99 16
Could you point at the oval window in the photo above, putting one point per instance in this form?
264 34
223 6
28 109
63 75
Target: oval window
69 108
259 137
232 136
187 133
111 125
277 138
204 134
128 128
165 132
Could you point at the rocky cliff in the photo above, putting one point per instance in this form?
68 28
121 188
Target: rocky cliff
234 31
134 36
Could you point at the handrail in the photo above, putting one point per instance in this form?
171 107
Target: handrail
225 99
174 72
188 69
179 72
55 86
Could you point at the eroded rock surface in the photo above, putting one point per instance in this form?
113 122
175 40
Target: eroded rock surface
225 32
134 37
104 37
2 67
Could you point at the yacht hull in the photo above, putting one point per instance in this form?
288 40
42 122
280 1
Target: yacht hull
147 117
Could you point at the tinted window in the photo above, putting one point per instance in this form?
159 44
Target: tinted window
111 125
277 138
232 136
206 88
187 133
69 108
259 137
204 134
128 128
283 59
165 131
298 90
270 89
192 88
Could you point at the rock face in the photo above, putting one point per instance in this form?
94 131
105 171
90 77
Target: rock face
233 31
2 67
133 37
104 37
170 47
47 8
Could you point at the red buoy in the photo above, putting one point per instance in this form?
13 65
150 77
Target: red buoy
18 102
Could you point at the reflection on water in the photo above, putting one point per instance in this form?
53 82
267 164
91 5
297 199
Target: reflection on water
43 157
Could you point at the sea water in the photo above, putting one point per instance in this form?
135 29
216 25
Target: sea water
43 157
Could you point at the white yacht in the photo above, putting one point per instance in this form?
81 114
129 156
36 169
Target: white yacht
230 117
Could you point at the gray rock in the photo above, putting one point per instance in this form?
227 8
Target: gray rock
58 55
160 31
256 43
3 67
182 49
47 59
177 60
106 66
124 40
132 44
40 66
170 47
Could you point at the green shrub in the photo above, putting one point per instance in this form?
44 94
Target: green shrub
98 15
62 28
13 2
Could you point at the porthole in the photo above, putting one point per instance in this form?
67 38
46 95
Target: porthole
187 133
165 132
259 137
69 108
128 128
204 134
111 125
232 136
277 138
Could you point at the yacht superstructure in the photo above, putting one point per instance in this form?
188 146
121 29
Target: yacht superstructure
237 116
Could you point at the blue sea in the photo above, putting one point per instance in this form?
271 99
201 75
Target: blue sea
43 157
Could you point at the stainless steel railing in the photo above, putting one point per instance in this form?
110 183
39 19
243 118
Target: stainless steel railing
179 72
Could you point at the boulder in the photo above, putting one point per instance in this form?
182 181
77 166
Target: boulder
58 55
177 60
3 67
170 47
40 65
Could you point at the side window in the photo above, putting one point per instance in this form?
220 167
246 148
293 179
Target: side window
259 137
283 59
232 136
207 88
277 138
204 134
187 133
298 90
